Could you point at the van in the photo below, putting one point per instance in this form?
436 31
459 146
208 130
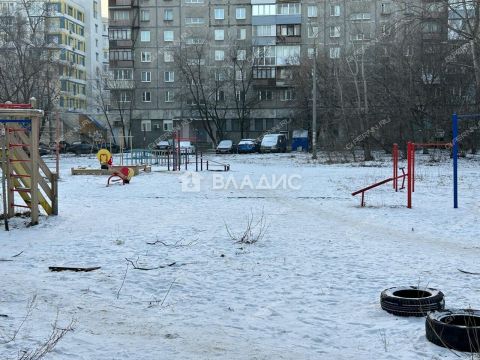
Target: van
274 143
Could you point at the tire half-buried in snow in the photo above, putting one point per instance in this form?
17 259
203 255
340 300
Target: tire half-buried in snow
454 329
411 300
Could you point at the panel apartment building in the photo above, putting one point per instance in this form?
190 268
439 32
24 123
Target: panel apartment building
145 33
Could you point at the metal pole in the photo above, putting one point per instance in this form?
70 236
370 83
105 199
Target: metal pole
314 109
4 176
455 159
409 175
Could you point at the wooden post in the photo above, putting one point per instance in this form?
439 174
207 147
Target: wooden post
54 182
35 172
10 184
3 137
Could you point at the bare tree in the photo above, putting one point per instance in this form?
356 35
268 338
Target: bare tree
28 55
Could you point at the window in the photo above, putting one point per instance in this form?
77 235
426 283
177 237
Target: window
264 73
146 76
169 76
334 31
122 74
219 34
360 16
310 53
288 55
168 56
431 27
168 98
241 34
124 96
288 95
167 125
312 11
241 55
240 13
313 31
147 97
194 1
220 96
334 53
145 36
168 14
264 55
219 55
121 15
262 10
264 30
168 35
239 75
146 125
265 95
219 14
194 21
386 8
121 55
288 9
240 95
120 34
334 10
144 15
288 30
146 56
219 75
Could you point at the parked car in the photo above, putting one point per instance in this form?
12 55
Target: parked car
82 147
113 148
186 147
43 149
225 147
274 143
246 146
164 145
63 146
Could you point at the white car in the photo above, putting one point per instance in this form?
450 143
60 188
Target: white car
186 147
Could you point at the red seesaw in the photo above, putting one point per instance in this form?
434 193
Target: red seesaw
410 175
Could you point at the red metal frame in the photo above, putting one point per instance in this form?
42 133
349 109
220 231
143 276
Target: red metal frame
15 106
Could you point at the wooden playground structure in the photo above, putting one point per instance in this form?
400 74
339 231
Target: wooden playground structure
27 182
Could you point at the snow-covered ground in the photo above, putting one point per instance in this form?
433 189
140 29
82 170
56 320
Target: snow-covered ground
308 290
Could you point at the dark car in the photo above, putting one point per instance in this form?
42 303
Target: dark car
246 146
62 146
225 147
82 148
43 149
274 143
113 148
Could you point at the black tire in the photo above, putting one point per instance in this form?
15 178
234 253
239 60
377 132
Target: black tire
455 329
411 301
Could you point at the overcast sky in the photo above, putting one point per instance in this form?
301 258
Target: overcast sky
105 8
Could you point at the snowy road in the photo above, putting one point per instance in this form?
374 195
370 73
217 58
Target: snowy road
308 290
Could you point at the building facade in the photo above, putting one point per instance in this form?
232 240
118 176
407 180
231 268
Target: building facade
146 35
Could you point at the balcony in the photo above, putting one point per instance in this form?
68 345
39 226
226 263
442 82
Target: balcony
288 39
120 84
120 44
123 3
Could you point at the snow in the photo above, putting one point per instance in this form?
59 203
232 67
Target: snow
308 290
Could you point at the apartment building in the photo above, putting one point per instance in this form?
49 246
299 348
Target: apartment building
145 34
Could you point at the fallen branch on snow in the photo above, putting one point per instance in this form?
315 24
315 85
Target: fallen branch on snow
76 269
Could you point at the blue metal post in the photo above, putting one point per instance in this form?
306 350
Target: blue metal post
455 159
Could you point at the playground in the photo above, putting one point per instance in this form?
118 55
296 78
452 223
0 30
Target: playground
309 289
